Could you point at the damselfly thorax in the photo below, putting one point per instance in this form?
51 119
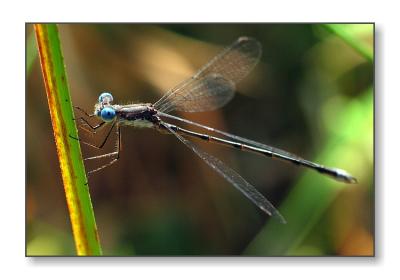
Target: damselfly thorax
138 115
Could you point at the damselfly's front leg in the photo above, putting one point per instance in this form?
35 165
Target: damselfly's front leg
112 154
85 121
94 145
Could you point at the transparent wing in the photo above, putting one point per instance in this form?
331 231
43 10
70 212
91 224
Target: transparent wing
214 84
205 94
232 177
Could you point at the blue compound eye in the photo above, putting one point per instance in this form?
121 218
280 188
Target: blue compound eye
107 114
105 97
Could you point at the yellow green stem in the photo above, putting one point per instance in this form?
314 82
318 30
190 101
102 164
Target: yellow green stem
68 150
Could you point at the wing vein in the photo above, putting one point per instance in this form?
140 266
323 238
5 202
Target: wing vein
214 84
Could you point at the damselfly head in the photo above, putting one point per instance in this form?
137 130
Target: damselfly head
103 109
107 114
106 98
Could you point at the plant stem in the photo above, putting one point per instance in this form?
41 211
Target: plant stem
68 150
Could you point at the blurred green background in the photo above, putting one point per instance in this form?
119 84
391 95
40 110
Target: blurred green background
311 94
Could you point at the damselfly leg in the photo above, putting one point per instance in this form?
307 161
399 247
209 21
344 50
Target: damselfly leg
93 128
114 154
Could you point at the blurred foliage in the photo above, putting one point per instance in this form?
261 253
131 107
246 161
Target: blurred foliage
311 196
311 94
31 52
356 35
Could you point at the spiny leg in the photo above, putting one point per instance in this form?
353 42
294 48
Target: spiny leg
95 146
84 112
116 153
93 128
93 131
82 119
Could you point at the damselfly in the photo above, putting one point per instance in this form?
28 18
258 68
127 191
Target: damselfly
210 88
